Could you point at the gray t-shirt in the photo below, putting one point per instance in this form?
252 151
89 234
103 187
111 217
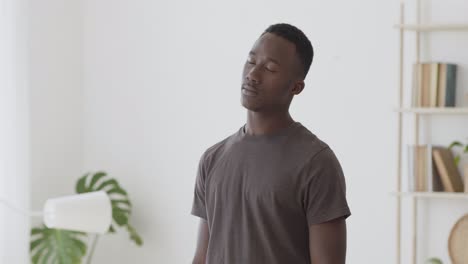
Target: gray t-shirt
259 194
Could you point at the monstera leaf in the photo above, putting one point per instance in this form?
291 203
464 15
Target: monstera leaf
121 206
56 246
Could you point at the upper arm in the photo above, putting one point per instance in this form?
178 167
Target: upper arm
324 189
199 203
327 242
202 243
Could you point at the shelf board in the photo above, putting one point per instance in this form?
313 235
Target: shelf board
436 195
433 27
435 110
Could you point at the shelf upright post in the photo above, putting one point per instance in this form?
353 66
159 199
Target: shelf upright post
416 138
400 131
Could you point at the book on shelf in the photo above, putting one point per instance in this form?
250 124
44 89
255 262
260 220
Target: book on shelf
423 177
434 84
447 85
447 169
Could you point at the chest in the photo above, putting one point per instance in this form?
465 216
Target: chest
260 179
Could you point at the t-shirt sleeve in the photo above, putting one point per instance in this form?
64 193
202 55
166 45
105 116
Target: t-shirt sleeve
199 205
324 197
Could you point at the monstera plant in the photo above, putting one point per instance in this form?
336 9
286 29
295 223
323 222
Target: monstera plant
50 246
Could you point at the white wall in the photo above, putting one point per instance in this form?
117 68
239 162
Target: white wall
14 142
160 84
56 98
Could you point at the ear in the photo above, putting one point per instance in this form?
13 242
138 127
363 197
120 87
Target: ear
298 87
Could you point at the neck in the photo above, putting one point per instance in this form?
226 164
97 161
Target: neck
262 123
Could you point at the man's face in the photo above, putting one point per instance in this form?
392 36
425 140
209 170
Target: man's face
271 75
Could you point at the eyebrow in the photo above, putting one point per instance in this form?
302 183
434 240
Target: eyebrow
269 58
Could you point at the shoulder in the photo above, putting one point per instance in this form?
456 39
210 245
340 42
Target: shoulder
311 145
215 151
316 152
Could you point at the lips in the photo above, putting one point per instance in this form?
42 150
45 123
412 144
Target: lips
249 89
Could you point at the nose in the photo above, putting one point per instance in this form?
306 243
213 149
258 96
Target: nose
253 75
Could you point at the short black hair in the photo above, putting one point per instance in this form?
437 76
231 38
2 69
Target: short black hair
304 48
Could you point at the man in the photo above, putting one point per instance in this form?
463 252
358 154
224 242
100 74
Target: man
272 192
